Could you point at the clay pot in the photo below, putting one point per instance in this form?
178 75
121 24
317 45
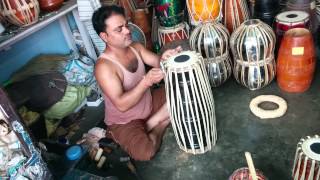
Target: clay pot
296 61
50 5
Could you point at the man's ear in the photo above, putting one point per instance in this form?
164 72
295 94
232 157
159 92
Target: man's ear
103 36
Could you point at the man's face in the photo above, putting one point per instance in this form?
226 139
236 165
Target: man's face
117 32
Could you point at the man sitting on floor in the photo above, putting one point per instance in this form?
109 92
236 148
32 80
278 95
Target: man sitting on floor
136 116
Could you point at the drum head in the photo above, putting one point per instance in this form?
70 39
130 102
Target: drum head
311 147
183 60
292 17
137 34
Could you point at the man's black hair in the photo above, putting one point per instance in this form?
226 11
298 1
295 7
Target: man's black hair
103 13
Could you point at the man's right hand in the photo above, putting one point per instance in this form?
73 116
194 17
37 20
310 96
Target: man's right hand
154 76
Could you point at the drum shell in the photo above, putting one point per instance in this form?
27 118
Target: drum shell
295 71
203 10
27 16
50 5
234 13
244 174
169 12
167 35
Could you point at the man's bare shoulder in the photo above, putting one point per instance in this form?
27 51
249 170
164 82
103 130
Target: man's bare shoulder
104 66
137 46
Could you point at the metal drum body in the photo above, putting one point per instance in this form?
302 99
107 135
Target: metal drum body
307 159
203 10
190 102
212 41
234 13
169 12
20 12
252 46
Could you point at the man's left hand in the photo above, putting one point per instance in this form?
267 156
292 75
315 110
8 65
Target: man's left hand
170 52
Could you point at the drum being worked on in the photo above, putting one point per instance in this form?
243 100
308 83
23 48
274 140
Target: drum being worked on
212 41
20 12
252 46
307 159
179 32
234 13
204 10
190 102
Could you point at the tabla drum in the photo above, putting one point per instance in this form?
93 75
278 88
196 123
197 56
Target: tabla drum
20 12
190 102
137 34
307 159
204 10
288 20
252 46
179 32
169 12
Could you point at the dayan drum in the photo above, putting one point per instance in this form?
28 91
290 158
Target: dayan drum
307 159
234 13
211 39
20 12
288 20
169 12
252 46
204 10
190 102
179 32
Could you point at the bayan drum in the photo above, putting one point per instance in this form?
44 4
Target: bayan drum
204 10
307 159
190 102
179 32
169 12
20 12
252 46
211 39
244 174
288 20
296 61
234 13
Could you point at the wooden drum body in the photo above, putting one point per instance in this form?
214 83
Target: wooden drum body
296 60
252 46
307 159
20 12
179 32
234 13
212 41
190 102
203 10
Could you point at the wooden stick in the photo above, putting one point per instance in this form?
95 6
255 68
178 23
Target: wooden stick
252 170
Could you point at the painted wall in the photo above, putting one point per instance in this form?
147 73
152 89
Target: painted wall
49 40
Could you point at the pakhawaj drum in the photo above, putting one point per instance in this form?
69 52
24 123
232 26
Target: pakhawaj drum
211 39
307 159
252 46
169 34
190 102
204 10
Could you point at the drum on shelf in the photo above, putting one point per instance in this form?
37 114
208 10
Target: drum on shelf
234 13
190 102
169 12
179 32
204 10
137 34
20 12
288 20
252 46
50 5
211 39
307 159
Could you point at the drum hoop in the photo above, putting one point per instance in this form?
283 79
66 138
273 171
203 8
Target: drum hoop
255 63
302 17
194 59
307 150
173 29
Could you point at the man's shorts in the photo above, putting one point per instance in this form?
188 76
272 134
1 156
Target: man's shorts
133 136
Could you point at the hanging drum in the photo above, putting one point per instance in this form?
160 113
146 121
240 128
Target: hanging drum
307 159
252 46
169 34
50 5
296 60
211 40
288 20
20 12
234 13
169 12
190 102
203 10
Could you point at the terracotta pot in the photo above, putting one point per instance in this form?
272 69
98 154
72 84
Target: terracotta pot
203 10
234 13
296 61
50 5
20 12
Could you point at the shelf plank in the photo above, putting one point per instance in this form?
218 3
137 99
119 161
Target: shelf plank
67 7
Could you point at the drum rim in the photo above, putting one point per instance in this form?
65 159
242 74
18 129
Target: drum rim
302 17
305 146
194 59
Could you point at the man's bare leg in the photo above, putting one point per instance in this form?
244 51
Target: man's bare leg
161 115
157 133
